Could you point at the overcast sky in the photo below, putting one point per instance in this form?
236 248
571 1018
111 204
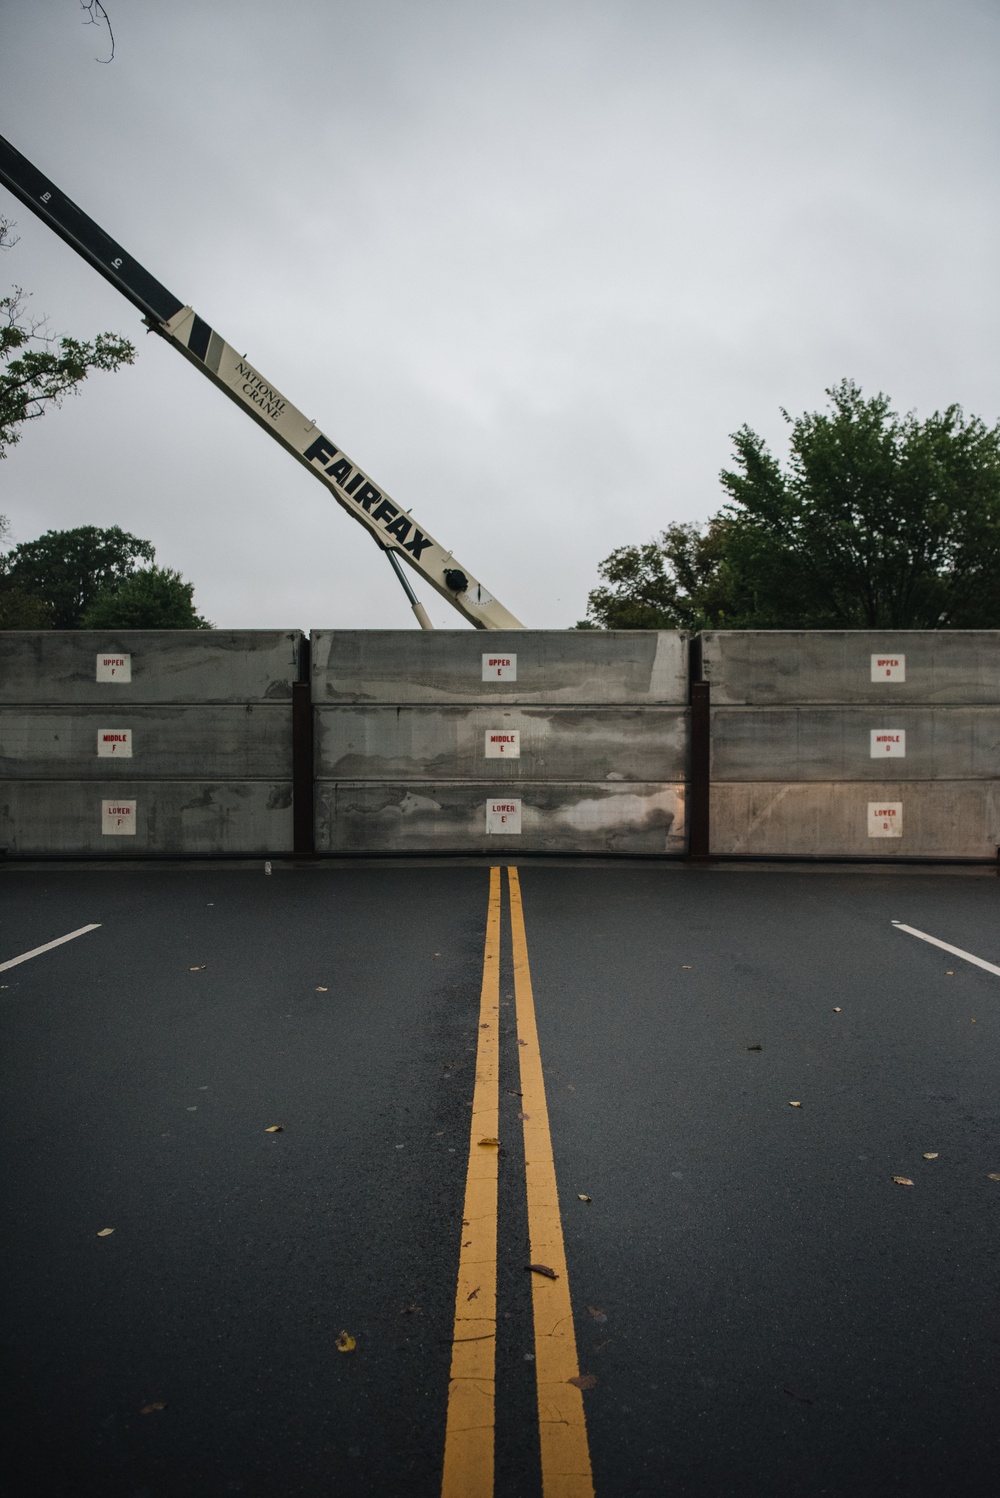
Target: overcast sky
530 264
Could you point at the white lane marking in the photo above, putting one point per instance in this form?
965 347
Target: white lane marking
37 951
946 946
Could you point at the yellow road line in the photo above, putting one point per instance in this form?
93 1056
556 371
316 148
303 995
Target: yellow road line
562 1426
468 1442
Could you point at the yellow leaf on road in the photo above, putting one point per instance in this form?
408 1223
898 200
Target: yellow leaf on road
345 1342
932 1156
322 990
274 1129
993 1176
490 1143
105 1232
794 1105
580 1197
902 1180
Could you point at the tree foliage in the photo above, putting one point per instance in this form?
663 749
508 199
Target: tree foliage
38 370
69 570
878 521
153 598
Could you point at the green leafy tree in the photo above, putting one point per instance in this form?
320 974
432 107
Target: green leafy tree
878 521
68 570
677 582
38 370
19 610
153 598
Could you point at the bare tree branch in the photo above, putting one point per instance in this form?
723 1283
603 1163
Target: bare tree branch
98 16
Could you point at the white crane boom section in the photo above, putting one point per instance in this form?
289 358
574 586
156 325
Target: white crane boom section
393 528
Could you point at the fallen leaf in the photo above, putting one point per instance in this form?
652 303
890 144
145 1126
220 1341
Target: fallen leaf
484 1027
902 1180
755 1047
150 1409
198 969
524 1115
686 966
320 989
580 1197
801 1397
105 1232
490 1143
275 1129
410 1311
549 1274
584 1381
522 1042
836 1009
950 972
345 1342
597 1313
932 1156
993 1176
794 1105
473 1294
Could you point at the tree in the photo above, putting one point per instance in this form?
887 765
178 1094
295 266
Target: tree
19 610
878 521
70 569
154 598
38 370
672 583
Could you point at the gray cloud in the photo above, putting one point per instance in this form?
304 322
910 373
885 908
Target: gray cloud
530 264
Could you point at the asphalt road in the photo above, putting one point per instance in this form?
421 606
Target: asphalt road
766 1311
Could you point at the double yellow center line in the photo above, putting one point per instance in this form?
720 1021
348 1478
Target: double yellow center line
469 1434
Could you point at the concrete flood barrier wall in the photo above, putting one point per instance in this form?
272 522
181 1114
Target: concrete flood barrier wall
543 741
147 741
854 744
795 744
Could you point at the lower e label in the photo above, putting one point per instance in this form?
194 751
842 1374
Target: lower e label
503 743
503 816
114 743
885 819
118 818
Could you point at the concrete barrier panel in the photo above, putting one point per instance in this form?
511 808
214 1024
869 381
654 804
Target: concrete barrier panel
184 742
376 817
172 816
758 667
936 819
836 743
590 667
166 665
534 743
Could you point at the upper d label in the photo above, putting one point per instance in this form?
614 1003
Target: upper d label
888 668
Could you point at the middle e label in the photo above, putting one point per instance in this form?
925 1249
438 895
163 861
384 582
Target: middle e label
503 743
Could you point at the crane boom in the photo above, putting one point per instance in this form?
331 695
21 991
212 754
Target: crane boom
392 527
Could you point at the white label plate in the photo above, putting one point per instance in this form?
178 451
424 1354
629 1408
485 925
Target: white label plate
888 668
888 743
499 668
503 743
118 818
885 819
503 816
114 743
114 667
